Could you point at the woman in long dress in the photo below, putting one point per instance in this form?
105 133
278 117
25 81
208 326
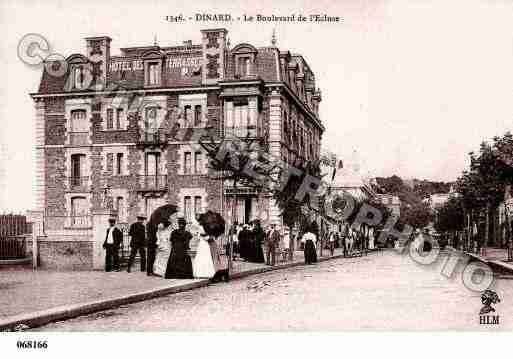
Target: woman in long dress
203 264
163 250
179 264
309 239
208 262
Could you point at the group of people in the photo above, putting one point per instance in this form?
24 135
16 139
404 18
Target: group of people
351 240
250 240
247 241
169 256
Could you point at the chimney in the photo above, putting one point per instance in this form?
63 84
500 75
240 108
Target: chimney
98 52
214 48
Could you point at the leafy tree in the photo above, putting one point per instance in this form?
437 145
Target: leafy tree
417 215
244 161
450 217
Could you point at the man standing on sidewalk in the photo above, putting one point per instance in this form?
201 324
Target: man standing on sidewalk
273 238
137 233
113 239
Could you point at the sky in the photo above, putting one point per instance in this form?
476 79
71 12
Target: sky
411 86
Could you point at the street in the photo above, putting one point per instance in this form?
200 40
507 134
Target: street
382 291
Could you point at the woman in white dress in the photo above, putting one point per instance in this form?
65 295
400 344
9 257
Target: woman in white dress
163 247
203 265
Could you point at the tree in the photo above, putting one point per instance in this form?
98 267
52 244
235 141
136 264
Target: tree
244 161
450 217
482 187
417 215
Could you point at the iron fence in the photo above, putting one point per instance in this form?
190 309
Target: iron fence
13 247
13 225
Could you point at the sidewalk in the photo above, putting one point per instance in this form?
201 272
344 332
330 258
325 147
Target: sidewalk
497 258
35 298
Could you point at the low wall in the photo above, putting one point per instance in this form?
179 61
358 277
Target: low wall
64 252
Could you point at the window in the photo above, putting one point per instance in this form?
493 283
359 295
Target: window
79 128
187 208
187 116
153 73
78 77
151 119
110 119
244 64
197 115
78 207
119 164
151 204
79 212
152 164
120 208
78 121
197 206
77 169
119 118
197 163
187 163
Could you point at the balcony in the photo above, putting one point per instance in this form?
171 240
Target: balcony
79 138
77 184
241 132
53 223
152 183
152 139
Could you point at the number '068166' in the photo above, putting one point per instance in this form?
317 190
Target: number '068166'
32 344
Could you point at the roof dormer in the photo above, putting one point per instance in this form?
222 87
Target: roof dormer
244 56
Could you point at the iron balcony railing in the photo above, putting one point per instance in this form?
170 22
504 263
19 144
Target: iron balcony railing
248 131
153 137
77 183
152 183
83 221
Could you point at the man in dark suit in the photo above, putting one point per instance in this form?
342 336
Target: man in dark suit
113 239
273 239
137 233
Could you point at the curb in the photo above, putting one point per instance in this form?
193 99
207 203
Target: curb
40 318
504 267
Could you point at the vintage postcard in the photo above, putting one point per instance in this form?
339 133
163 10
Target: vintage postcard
252 166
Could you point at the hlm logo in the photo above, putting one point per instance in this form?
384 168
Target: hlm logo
488 298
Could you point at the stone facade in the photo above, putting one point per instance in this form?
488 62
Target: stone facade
121 132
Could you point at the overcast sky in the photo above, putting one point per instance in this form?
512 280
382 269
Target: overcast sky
412 86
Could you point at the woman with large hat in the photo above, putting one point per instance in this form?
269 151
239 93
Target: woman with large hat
179 264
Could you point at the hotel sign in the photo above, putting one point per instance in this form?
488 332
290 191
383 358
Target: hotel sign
138 65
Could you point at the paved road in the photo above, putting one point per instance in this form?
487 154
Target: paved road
381 291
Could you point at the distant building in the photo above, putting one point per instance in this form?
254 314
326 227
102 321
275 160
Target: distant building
437 200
